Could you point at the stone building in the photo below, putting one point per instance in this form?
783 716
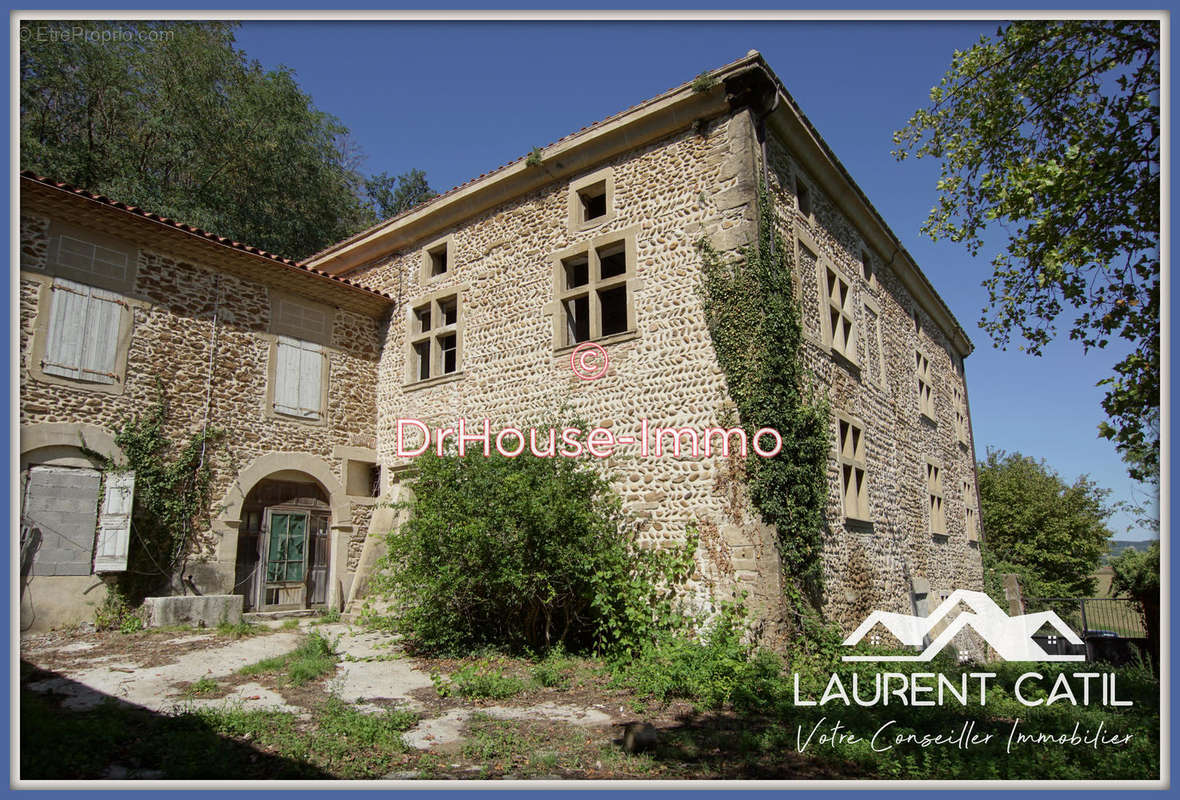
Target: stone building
469 307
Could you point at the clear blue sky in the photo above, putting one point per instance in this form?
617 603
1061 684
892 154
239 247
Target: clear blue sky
458 99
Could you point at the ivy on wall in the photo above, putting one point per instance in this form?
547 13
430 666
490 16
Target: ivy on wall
753 318
172 494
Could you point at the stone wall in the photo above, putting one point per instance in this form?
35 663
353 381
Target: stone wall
173 302
869 567
670 193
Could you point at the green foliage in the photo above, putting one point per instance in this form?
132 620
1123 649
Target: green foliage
1137 575
1051 131
390 196
716 669
753 319
553 671
485 678
172 496
1037 525
200 687
237 630
177 120
115 613
534 157
312 659
703 82
523 553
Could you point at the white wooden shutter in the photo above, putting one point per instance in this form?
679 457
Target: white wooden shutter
299 378
114 524
101 346
83 340
311 372
67 326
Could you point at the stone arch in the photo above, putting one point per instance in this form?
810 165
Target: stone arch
57 438
266 466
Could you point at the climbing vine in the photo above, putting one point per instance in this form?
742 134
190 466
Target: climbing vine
172 495
753 318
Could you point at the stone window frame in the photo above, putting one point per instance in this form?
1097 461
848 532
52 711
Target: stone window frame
429 253
575 221
851 455
959 409
354 463
876 350
868 271
933 474
804 196
561 294
925 385
970 512
272 365
41 330
415 336
829 276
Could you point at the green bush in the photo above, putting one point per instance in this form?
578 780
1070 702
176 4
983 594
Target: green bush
483 679
524 554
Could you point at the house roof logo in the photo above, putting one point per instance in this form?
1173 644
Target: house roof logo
1010 637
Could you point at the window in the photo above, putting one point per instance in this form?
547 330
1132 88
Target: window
935 498
852 470
925 387
59 518
803 196
866 266
363 478
87 333
437 259
298 383
972 512
960 416
593 293
592 200
874 353
434 338
840 332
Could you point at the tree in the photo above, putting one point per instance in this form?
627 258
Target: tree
389 196
1038 526
1137 575
1052 131
170 116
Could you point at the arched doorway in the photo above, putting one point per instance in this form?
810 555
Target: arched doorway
284 544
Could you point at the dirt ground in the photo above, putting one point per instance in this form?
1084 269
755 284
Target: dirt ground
574 731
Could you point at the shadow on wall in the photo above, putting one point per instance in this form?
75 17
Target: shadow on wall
118 740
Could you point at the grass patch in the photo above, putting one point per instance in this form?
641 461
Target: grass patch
290 624
554 671
312 659
200 687
482 679
239 629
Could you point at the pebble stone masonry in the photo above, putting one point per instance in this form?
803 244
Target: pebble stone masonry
684 165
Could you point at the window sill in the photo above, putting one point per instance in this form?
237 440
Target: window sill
318 422
922 415
858 524
435 381
846 361
362 500
617 338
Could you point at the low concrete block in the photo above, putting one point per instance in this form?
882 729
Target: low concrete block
202 611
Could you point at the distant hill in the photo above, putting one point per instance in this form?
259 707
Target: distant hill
1117 546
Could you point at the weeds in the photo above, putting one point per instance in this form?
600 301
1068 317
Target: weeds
314 658
239 629
483 679
201 686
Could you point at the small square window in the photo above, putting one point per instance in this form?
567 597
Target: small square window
434 339
422 317
593 297
612 261
438 260
363 478
577 271
449 310
593 201
803 194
